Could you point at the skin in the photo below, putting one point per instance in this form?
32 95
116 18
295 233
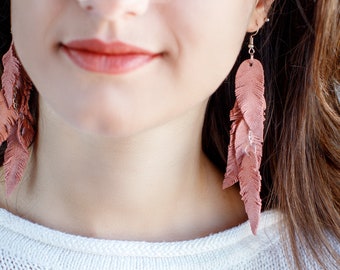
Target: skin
119 156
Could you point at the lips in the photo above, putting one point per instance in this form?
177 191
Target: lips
110 58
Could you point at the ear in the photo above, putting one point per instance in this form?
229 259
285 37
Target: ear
259 15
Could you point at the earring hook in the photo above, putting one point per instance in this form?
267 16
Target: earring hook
251 45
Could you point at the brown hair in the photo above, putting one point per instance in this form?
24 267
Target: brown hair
307 171
301 163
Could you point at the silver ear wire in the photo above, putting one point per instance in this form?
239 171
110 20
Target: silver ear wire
251 46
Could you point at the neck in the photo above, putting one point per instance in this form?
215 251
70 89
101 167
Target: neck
156 185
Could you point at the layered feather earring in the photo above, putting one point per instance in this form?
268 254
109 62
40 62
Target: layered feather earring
246 135
16 121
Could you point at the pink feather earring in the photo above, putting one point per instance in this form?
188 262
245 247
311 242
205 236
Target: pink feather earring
16 121
246 135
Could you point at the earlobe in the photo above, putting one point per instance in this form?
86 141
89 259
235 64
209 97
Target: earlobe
259 16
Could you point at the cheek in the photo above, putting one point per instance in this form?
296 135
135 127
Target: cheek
209 37
32 21
35 27
34 32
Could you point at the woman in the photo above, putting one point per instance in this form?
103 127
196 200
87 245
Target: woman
120 174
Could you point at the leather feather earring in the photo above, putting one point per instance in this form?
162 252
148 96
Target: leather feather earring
16 121
246 135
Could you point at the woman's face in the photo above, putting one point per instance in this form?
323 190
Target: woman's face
73 53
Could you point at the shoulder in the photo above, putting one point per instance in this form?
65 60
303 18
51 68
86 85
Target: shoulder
270 248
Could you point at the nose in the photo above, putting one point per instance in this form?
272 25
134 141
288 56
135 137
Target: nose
114 9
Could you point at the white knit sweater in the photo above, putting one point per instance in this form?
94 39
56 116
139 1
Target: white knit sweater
25 245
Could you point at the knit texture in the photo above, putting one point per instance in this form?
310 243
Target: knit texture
25 245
